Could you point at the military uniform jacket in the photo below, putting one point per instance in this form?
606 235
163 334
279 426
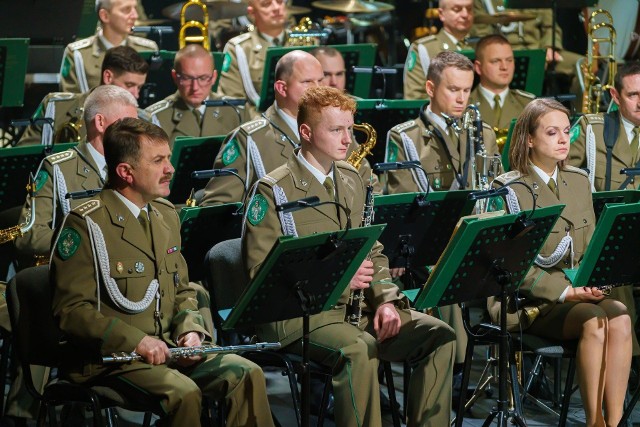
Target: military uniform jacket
514 103
176 118
79 173
542 287
418 59
62 107
591 127
432 153
82 62
86 312
263 227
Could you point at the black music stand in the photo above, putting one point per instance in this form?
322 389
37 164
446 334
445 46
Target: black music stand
224 223
301 277
602 198
489 257
190 154
418 226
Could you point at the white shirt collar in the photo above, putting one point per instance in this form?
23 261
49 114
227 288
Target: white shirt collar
314 171
202 108
488 95
135 211
437 119
292 122
628 128
270 39
107 44
543 175
98 159
454 40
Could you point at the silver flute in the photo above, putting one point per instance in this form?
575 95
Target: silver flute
179 352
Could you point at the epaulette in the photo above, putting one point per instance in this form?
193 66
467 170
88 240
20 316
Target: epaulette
254 125
87 207
594 118
81 44
404 126
164 202
158 106
150 44
524 93
424 39
60 96
60 157
239 39
509 176
573 169
144 115
275 175
487 126
342 164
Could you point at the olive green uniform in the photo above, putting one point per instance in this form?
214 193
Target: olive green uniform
177 119
99 326
351 351
418 59
513 104
274 140
81 68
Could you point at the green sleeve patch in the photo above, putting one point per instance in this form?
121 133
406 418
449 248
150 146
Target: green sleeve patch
574 133
411 60
257 209
226 63
231 152
392 152
66 67
41 179
68 243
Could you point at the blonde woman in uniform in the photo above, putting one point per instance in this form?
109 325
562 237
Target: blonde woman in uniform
602 326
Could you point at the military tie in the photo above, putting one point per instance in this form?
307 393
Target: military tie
497 110
146 227
198 115
635 144
328 184
552 185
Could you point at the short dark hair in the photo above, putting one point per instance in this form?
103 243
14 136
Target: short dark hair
444 60
325 50
628 69
124 59
489 40
122 142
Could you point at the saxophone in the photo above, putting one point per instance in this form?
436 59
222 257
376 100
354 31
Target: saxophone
12 233
71 130
354 306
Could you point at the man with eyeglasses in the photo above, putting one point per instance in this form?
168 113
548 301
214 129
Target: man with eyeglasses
183 113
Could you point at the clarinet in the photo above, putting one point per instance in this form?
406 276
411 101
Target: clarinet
179 352
354 307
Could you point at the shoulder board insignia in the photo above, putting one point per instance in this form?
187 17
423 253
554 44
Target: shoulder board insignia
158 106
60 96
341 164
404 126
596 118
487 126
508 177
164 202
239 39
569 168
524 93
60 157
276 175
82 43
141 41
254 125
425 39
87 207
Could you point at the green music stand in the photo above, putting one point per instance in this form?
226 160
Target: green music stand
16 163
301 277
225 219
13 68
190 154
362 55
383 114
159 83
602 198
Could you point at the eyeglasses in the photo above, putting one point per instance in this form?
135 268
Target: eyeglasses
186 80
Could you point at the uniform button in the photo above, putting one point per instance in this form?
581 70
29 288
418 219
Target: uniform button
567 228
162 293
566 262
162 315
584 220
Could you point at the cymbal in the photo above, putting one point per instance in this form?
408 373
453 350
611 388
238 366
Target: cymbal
297 10
151 22
217 10
503 18
353 6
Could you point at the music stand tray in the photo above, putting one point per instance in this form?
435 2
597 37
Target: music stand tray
13 67
361 55
225 219
190 154
16 163
601 198
611 257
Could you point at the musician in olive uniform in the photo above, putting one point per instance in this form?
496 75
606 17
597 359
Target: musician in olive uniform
122 66
137 234
244 55
388 328
183 113
602 326
82 61
457 19
272 138
495 65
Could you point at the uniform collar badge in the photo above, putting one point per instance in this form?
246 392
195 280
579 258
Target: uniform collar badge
172 249
119 267
139 267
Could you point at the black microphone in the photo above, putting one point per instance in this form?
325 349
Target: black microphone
152 28
212 173
82 194
298 204
373 70
630 171
222 102
485 194
390 166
